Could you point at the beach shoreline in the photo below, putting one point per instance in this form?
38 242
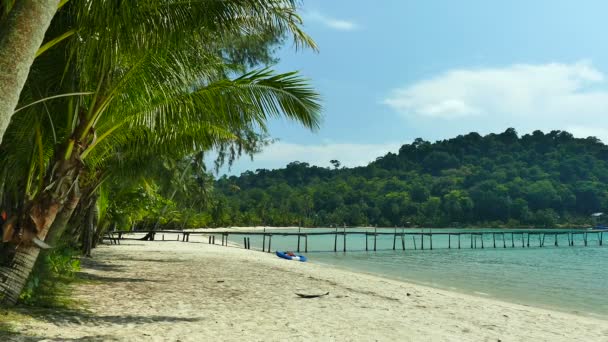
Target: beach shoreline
190 291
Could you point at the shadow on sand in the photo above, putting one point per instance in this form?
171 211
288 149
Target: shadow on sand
71 316
75 318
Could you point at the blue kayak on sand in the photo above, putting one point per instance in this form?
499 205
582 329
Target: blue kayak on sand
284 255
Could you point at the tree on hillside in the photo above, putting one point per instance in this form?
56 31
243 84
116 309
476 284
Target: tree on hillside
500 179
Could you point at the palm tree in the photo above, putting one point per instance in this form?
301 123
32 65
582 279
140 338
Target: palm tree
152 88
22 27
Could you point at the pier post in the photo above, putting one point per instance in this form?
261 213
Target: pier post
494 238
585 237
414 239
504 243
269 242
402 241
528 245
306 243
263 242
344 247
375 238
512 241
299 229
422 241
458 241
543 240
481 236
471 240
449 241
601 238
431 238
336 240
298 250
395 239
366 243
245 242
556 244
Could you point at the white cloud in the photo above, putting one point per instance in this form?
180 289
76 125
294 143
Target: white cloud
333 23
280 154
566 94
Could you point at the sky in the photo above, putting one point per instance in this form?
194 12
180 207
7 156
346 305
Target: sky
392 71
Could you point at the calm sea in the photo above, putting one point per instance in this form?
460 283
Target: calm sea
566 278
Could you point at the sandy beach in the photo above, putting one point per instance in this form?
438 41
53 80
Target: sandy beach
174 291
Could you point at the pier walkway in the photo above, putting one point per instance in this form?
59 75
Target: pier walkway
402 239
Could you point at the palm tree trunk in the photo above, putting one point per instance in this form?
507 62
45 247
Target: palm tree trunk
63 218
14 276
20 37
90 227
38 219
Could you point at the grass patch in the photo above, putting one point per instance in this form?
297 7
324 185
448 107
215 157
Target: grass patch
47 295
9 320
49 283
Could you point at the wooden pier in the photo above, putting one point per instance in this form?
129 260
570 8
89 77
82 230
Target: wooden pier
476 239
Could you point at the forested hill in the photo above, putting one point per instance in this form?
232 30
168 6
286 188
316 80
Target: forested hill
472 180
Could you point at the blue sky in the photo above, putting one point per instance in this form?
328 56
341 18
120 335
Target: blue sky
392 71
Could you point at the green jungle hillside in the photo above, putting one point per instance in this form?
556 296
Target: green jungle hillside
541 180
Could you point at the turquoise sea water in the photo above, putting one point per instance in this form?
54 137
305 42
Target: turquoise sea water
566 278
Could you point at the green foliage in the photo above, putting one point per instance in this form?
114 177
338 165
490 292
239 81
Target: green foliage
160 80
498 179
47 285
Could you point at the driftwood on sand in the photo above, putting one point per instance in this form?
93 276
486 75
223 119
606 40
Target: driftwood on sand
302 295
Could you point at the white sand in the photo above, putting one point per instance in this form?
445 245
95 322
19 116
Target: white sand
174 291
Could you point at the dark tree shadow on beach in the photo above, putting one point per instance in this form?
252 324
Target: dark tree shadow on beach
101 278
17 337
156 260
100 265
66 316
